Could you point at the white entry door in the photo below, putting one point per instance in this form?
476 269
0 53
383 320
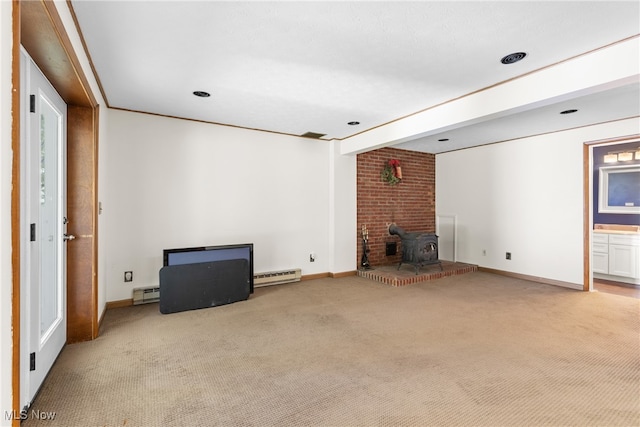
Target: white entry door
43 289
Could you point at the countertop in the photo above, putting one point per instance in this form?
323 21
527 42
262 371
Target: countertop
604 231
616 229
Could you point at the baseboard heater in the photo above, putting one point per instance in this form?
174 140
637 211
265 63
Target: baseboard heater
146 295
277 277
151 294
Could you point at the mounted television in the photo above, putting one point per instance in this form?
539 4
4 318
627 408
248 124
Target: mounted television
195 255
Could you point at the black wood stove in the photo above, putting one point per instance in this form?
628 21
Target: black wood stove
418 249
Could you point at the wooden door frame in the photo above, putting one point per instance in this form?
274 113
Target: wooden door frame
588 195
38 27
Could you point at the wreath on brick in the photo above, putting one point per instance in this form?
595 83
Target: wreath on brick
392 173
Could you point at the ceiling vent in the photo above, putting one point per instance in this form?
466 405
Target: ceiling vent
313 135
513 58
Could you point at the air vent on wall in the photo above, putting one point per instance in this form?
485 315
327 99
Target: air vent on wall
313 135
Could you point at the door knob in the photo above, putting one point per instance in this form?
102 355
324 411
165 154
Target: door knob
67 237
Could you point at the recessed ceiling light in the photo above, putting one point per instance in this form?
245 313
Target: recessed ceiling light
202 94
513 58
353 123
443 139
568 111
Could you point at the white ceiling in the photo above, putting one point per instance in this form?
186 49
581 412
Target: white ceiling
298 66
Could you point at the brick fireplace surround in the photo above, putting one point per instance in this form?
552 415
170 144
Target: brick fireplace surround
410 203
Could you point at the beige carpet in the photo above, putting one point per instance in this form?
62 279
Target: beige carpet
470 350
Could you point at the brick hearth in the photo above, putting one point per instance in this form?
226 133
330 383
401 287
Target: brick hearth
390 275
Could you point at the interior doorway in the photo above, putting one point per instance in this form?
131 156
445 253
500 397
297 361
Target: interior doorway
602 268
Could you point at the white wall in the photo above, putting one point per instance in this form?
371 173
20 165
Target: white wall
523 197
6 40
175 183
343 217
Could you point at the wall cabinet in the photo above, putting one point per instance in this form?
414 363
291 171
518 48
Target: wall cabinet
616 255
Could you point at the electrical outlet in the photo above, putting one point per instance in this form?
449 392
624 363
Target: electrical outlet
312 257
128 276
508 256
